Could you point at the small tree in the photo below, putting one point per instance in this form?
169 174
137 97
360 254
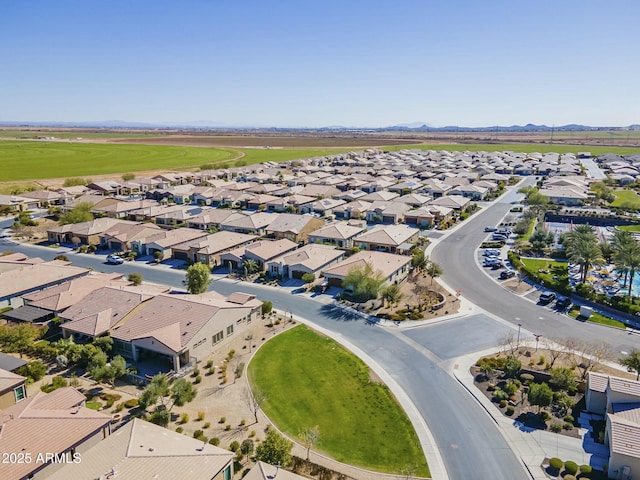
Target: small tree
267 306
247 447
309 438
391 294
18 338
255 399
127 177
275 449
198 278
34 371
78 214
308 278
512 367
135 278
632 362
104 343
182 392
540 394
364 281
564 379
434 270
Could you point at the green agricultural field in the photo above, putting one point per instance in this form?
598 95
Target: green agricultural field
29 160
517 147
33 134
626 199
310 380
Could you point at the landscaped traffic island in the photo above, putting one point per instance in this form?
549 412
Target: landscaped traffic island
309 380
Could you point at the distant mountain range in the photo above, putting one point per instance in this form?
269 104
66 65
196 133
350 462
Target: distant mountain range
408 127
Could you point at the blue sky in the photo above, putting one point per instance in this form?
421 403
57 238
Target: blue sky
299 63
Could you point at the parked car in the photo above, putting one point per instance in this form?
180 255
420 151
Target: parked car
490 262
507 274
491 252
503 231
490 229
499 236
547 297
563 302
114 259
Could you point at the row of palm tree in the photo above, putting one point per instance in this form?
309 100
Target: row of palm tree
583 249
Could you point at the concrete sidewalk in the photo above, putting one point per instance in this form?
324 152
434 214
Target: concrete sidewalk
531 446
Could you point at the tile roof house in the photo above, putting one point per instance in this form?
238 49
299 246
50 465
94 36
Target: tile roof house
427 216
455 202
86 232
388 238
142 450
323 207
99 311
122 209
340 234
293 227
120 236
261 251
618 399
311 258
256 223
213 217
164 240
12 389
387 212
288 203
18 279
60 297
71 429
264 471
208 249
181 327
394 268
356 209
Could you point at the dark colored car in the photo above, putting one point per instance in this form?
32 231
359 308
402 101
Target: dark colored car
563 302
547 297
507 274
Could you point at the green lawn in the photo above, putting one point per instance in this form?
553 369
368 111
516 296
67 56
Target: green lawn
630 228
628 197
546 269
30 160
598 318
310 380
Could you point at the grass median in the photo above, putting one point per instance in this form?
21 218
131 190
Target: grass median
310 380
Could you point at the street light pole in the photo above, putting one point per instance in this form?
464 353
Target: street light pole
518 340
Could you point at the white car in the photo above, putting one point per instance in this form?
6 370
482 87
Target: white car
114 260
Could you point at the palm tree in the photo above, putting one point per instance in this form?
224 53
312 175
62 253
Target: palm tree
391 294
250 266
621 242
582 248
631 258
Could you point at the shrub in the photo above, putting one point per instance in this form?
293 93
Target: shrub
214 441
179 429
569 477
541 360
544 416
526 378
556 427
234 446
132 402
243 422
503 403
209 364
510 410
184 418
499 395
585 469
160 417
569 419
198 379
120 407
195 373
571 467
206 425
556 463
198 434
567 426
227 427
200 416
252 434
222 420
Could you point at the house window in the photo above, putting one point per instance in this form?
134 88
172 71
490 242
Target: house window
229 330
217 337
227 473
19 393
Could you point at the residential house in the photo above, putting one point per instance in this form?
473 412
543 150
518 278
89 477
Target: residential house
311 258
122 209
387 212
427 216
99 311
455 202
473 191
178 216
618 399
19 279
264 471
58 298
85 233
164 240
47 198
340 234
356 210
106 187
11 363
178 329
259 201
319 191
12 389
255 224
261 252
435 188
288 203
414 200
379 196
208 249
92 199
120 236
18 203
49 426
141 449
212 218
388 238
293 227
322 208
394 268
